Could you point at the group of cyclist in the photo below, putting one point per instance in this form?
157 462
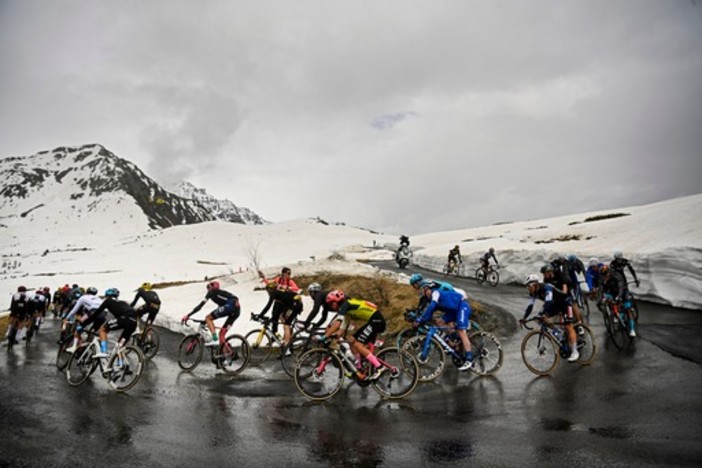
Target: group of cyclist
560 287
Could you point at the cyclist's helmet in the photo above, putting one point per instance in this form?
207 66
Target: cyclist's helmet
492 250
46 289
593 262
571 257
213 285
618 254
531 279
91 290
314 288
336 296
112 292
147 286
22 289
546 267
415 278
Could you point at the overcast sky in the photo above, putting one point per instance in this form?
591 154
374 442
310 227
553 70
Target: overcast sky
401 116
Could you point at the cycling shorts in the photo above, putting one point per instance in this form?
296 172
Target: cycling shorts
460 316
371 329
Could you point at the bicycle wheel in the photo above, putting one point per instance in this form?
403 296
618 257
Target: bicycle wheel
80 365
62 357
405 335
617 331
586 346
149 343
539 352
261 346
432 363
586 308
493 278
487 353
125 368
400 376
319 374
233 355
190 352
480 275
445 270
300 343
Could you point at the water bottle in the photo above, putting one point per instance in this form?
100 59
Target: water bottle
347 352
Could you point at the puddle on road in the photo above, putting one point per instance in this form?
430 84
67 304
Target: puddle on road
612 432
449 450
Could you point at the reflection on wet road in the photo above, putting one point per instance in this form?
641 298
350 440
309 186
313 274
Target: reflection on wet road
639 407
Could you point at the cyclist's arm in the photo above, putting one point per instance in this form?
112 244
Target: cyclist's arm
429 310
136 298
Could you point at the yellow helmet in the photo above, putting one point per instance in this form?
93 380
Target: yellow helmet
147 286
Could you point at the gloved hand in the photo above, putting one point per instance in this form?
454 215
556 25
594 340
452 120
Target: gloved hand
185 319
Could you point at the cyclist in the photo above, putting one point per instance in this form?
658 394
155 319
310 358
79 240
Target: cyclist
319 296
572 267
485 259
152 303
618 265
614 289
456 310
125 318
454 258
356 309
556 301
593 278
20 309
282 283
557 278
86 307
417 281
228 306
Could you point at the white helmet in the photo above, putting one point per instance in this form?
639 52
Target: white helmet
618 254
531 279
314 287
593 262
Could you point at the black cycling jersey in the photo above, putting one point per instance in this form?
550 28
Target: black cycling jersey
119 309
149 297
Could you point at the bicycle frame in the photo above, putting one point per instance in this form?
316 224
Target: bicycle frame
432 334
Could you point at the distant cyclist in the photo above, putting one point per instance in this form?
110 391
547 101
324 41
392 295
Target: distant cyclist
227 306
557 278
152 303
614 289
485 259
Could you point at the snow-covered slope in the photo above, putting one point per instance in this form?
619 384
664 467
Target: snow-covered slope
223 210
663 241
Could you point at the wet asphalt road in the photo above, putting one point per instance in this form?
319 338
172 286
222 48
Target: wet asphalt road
642 407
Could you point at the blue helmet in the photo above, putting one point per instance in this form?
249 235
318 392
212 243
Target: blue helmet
112 292
571 257
415 278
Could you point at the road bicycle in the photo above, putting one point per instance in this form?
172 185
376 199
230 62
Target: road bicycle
320 372
262 341
430 351
410 332
122 368
231 355
617 323
542 348
146 338
452 268
302 341
489 275
64 342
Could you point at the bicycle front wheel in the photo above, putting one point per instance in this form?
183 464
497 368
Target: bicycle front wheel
233 355
125 368
487 353
400 376
319 374
190 352
300 343
62 356
431 361
80 365
586 345
261 346
480 275
405 335
493 278
617 331
540 352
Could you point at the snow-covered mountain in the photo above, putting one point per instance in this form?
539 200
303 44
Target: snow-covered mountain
223 210
87 191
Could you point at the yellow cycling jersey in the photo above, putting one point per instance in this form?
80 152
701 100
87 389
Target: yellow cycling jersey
358 309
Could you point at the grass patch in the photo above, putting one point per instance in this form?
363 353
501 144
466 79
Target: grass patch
391 297
605 216
4 321
563 238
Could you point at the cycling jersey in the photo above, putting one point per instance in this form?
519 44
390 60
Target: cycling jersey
149 297
357 309
88 303
320 304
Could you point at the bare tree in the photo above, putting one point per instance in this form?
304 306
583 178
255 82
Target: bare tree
253 254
